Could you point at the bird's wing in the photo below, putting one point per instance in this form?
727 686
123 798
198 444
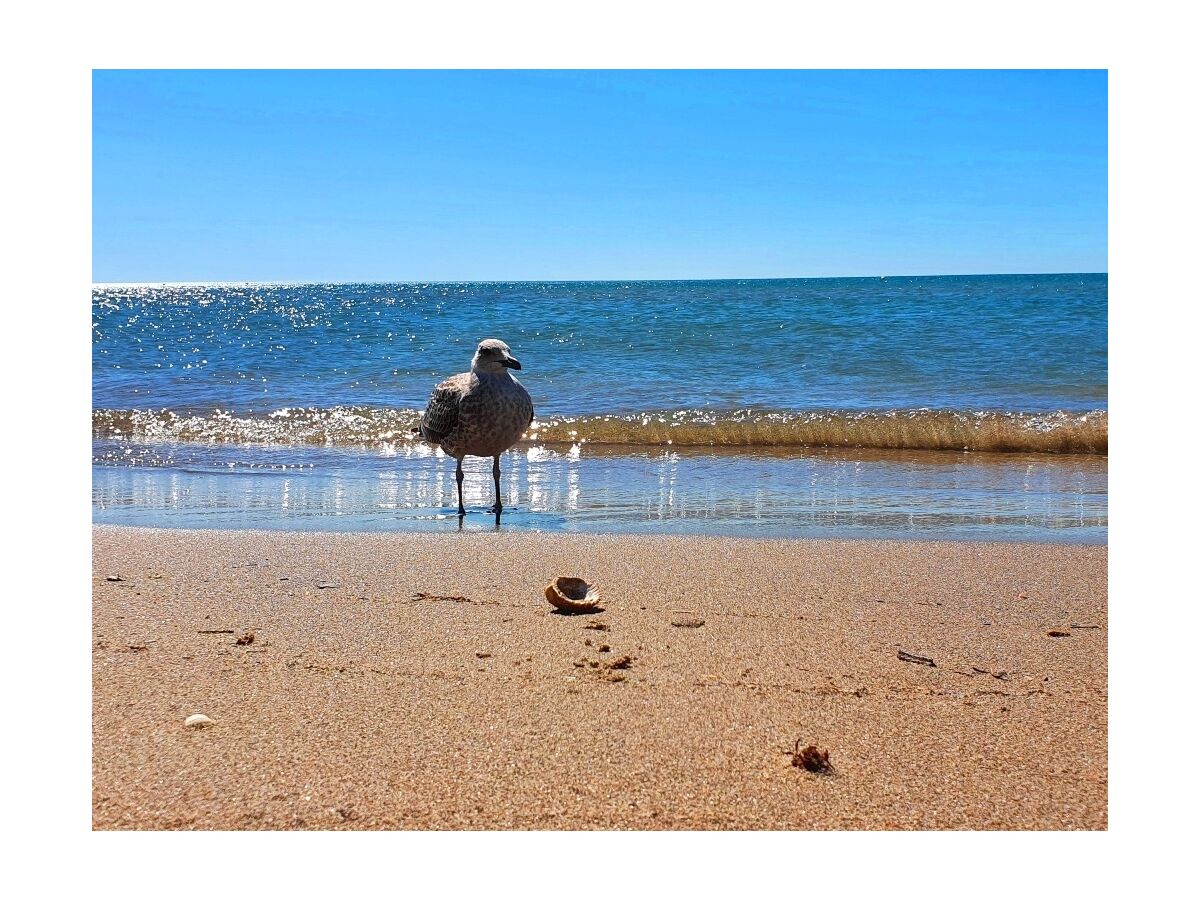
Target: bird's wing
441 415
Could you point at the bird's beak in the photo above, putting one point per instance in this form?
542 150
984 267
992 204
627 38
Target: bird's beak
510 363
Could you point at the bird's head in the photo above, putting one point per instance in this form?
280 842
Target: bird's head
493 356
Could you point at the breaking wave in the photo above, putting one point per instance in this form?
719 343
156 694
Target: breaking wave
901 429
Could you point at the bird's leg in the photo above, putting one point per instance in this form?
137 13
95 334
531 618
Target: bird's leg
496 477
458 476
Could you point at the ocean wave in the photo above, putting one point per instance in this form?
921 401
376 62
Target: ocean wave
901 429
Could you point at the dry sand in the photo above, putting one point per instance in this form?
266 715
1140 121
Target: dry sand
422 681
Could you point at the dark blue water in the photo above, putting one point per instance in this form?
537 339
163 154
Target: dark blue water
1022 343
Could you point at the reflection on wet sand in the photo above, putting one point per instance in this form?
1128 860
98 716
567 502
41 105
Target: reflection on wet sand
774 492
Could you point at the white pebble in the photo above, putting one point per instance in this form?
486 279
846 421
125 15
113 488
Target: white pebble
198 721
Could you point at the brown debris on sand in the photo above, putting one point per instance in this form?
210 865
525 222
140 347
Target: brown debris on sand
975 670
447 598
246 639
613 671
687 622
905 656
812 759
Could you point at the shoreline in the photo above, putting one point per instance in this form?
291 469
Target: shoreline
414 680
487 519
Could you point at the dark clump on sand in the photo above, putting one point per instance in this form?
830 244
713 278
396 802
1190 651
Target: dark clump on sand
812 759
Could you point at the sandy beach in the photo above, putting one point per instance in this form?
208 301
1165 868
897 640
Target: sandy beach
422 681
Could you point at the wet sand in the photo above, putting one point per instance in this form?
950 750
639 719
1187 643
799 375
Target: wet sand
422 681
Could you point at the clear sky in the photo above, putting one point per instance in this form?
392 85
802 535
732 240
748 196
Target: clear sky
399 176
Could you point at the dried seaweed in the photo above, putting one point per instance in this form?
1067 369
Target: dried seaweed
451 598
812 759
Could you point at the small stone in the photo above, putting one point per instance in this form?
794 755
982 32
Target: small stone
113 578
688 622
199 720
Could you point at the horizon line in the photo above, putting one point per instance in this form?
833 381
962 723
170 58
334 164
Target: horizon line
299 282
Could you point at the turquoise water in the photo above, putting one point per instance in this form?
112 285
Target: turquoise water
788 407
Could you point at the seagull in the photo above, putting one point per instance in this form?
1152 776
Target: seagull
479 413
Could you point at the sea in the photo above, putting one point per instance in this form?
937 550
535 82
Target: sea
952 407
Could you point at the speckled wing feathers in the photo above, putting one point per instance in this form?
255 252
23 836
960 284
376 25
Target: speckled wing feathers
441 415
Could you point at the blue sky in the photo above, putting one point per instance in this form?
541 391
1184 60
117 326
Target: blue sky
377 176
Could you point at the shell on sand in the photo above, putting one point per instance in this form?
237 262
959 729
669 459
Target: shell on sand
572 594
198 721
